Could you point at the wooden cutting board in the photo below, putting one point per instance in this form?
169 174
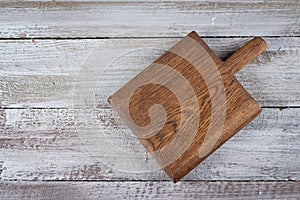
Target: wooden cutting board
187 103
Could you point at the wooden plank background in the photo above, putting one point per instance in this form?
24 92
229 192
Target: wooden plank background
148 19
45 46
150 190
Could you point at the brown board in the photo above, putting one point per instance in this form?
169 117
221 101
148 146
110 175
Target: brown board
187 103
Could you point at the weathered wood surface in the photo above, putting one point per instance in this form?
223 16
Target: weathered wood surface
26 19
44 144
149 190
44 73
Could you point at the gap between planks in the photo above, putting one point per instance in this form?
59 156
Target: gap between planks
145 37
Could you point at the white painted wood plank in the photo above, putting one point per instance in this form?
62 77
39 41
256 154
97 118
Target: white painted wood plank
46 73
149 190
148 19
49 144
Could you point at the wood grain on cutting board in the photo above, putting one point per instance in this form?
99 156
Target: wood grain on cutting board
38 78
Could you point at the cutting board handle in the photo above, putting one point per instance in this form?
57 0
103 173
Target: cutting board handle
245 54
